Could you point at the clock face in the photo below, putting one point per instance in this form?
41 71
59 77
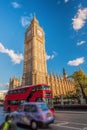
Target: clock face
29 32
39 32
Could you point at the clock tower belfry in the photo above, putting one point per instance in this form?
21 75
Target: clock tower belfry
34 68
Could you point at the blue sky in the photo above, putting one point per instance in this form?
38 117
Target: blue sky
65 25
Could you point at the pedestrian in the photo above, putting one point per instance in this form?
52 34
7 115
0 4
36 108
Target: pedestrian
9 124
4 125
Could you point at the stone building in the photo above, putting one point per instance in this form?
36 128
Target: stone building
2 94
14 82
35 68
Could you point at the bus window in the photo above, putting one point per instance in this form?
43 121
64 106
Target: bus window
46 88
10 92
23 90
34 89
47 94
20 109
39 99
15 91
14 102
22 101
39 87
19 91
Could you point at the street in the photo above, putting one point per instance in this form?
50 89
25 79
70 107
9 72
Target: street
65 120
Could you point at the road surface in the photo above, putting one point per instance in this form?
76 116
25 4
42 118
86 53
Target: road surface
65 120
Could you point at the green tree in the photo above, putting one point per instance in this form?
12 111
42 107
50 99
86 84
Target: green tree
80 79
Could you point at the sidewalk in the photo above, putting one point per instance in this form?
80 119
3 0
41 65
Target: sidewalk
71 112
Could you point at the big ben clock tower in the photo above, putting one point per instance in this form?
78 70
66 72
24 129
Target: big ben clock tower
34 69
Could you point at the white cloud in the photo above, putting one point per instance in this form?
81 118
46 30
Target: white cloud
4 85
50 57
25 20
16 58
66 1
15 5
79 19
80 43
76 62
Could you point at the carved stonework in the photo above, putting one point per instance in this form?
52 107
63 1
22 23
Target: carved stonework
14 82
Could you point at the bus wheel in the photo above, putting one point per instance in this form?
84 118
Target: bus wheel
8 109
34 125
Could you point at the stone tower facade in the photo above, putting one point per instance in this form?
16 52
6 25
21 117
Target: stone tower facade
35 69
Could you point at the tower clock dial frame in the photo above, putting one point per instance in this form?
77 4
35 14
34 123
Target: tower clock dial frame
39 33
29 32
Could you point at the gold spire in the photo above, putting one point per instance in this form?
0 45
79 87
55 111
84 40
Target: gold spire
34 20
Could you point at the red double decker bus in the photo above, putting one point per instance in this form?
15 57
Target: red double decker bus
33 93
